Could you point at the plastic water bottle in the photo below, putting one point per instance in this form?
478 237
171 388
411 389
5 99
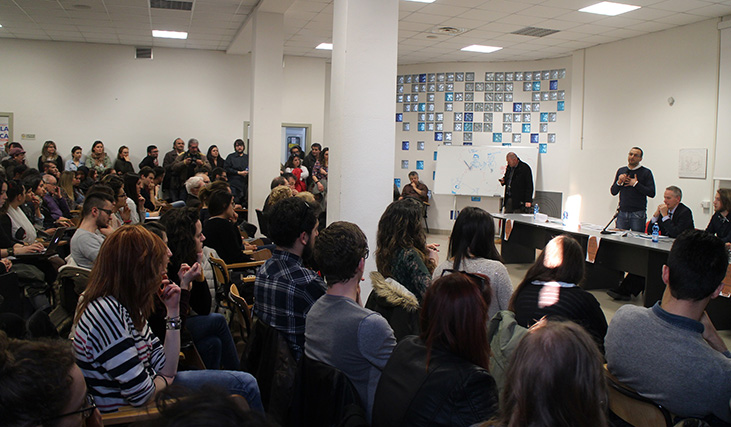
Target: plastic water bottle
565 218
535 210
655 233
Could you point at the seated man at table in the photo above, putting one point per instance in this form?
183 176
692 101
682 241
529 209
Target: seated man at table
671 353
672 216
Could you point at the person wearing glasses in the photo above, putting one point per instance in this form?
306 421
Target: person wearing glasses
122 360
551 289
440 377
338 330
89 236
122 212
40 384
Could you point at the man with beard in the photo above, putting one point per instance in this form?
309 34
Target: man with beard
237 170
89 237
284 289
171 183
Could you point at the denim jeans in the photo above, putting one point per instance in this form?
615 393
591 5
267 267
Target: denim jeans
235 382
213 341
634 221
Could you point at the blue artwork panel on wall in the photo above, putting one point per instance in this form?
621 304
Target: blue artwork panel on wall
404 145
420 164
560 105
399 117
543 148
526 127
497 137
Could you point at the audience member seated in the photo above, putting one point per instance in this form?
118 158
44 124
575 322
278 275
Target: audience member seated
415 188
221 231
17 154
122 213
122 165
672 217
122 360
339 331
15 223
193 186
291 181
150 160
299 171
51 169
40 385
555 378
88 179
472 249
402 252
74 163
135 201
54 208
551 289
440 377
147 190
671 352
284 289
96 216
720 225
209 330
68 187
98 158
49 153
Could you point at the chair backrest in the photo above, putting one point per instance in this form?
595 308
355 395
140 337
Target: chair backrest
261 255
242 310
263 226
633 408
221 281
323 395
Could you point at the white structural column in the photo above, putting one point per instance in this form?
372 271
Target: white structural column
362 114
266 105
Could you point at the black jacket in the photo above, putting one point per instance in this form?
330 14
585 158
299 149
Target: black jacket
681 220
521 185
452 392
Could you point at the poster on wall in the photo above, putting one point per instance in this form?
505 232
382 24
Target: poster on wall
6 128
692 163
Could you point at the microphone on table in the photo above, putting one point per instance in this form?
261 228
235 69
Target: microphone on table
616 213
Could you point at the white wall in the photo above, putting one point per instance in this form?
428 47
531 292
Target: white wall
626 87
75 93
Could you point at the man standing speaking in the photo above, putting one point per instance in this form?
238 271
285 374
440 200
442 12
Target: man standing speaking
518 183
634 184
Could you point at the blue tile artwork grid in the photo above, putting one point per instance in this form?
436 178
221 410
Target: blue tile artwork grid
469 92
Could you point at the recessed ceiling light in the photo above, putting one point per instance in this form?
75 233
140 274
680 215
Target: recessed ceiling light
170 34
480 48
1 26
422 1
325 46
609 8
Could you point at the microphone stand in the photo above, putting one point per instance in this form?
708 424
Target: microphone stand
604 230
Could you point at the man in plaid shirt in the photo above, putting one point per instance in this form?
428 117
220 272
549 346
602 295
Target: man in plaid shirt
284 289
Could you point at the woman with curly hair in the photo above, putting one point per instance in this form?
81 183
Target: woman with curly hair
98 158
402 252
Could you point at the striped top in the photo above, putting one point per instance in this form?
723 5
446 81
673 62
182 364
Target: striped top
118 362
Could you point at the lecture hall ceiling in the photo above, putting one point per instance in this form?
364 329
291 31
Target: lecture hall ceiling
216 24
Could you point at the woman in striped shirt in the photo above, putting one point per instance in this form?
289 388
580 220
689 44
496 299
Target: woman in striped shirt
123 362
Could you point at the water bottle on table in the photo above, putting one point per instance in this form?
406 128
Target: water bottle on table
535 210
655 232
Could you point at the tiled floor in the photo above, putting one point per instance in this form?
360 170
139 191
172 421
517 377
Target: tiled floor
517 272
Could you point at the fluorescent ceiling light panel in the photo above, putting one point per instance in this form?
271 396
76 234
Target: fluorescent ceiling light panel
422 1
170 34
480 48
325 46
609 8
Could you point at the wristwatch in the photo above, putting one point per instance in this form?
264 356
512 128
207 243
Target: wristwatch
173 323
11 251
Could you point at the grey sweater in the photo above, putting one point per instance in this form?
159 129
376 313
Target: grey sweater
665 358
358 341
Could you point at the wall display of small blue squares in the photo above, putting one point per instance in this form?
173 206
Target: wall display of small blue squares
487 127
507 117
545 75
420 145
399 99
517 118
477 127
420 165
431 77
467 136
497 137
467 143
560 105
543 148
450 77
544 117
469 96
489 77
438 136
440 77
526 117
457 117
553 85
553 96
469 77
467 127
422 106
543 128
430 127
421 127
517 107
489 106
406 126
469 87
509 77
448 106
479 106
399 117
469 106
459 77
534 138
498 106
422 117
527 107
526 127
489 96
536 86
516 137
468 117
499 77
508 97
450 86
552 117
487 117
552 137
430 97
407 108
447 136
458 126
440 117
479 87
536 96
408 78
422 78
561 95
507 127
404 164
544 96
439 126
508 87
430 106
536 107
441 87
404 145
458 96
431 87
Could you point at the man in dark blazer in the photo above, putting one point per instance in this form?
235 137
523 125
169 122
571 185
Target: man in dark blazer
518 183
672 216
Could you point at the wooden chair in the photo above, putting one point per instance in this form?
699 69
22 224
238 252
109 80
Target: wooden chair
633 408
222 277
243 312
130 414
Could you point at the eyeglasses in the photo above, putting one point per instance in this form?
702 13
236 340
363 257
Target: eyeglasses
478 277
90 406
108 211
122 195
